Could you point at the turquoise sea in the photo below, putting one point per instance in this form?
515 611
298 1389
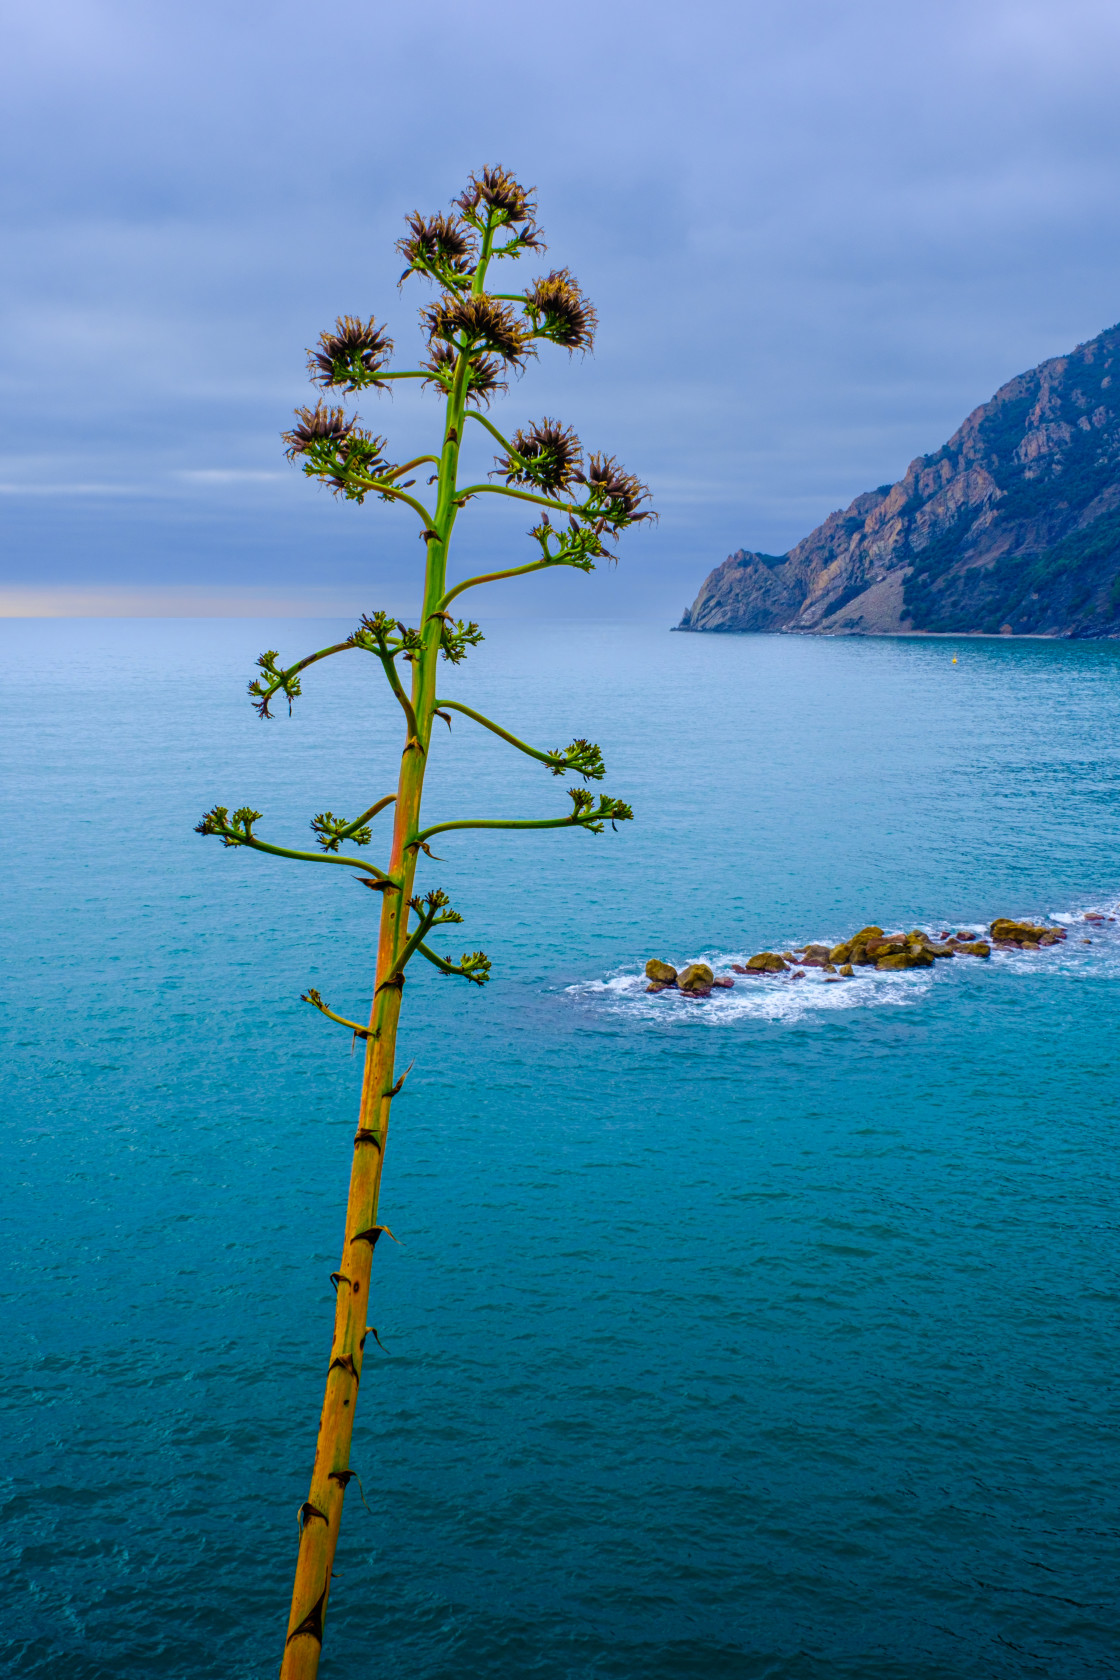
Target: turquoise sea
768 1337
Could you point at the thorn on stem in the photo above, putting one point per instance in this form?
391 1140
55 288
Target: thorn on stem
395 1090
373 1233
312 1623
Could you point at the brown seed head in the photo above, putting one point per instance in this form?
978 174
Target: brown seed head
484 374
351 356
531 238
436 242
550 454
316 427
619 493
479 323
336 449
497 189
560 311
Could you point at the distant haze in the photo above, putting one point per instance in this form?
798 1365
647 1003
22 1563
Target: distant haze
817 236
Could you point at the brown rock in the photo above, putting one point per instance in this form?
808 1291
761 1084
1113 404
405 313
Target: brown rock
1006 932
767 962
696 979
977 948
892 947
659 986
847 971
662 973
906 959
724 980
864 934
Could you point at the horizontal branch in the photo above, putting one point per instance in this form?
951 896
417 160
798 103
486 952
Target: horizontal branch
496 577
492 429
285 679
417 462
312 997
238 831
580 758
544 822
438 961
474 967
387 799
496 729
313 857
585 814
517 496
384 488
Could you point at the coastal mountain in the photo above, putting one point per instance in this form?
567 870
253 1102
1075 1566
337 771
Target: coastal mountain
1012 528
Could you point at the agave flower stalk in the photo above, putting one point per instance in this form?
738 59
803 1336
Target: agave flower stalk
580 505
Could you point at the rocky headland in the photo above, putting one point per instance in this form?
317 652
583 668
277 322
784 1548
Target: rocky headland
1012 528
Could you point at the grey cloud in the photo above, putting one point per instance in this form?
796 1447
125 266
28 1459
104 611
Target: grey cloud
817 236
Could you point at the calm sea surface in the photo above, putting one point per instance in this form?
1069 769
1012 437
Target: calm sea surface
773 1336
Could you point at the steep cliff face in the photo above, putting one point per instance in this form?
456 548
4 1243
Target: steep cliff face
1013 527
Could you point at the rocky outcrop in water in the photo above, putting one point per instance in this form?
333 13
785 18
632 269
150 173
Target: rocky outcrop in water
1012 528
869 948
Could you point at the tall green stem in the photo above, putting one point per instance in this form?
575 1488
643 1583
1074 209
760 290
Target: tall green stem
474 337
322 1511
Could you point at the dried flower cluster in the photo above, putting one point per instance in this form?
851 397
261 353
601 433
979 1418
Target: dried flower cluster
479 322
352 356
560 312
439 245
546 454
617 495
336 449
496 193
484 374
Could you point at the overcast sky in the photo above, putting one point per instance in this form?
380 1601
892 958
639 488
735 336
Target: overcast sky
817 234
